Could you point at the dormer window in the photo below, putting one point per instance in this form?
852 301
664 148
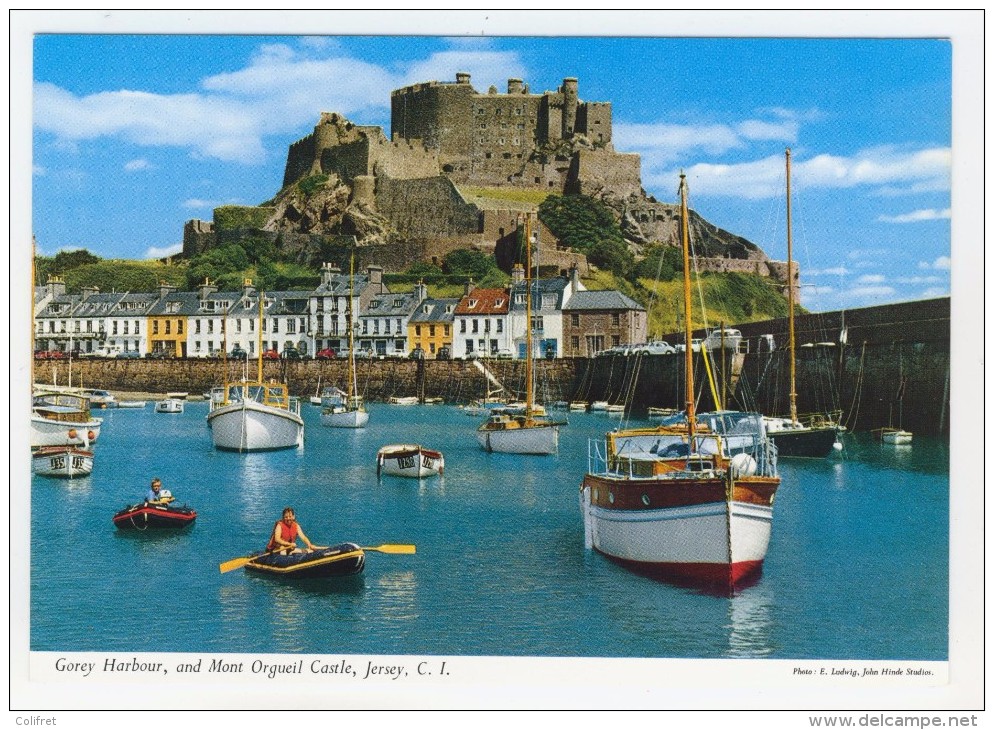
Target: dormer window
471 303
499 303
375 304
427 308
398 303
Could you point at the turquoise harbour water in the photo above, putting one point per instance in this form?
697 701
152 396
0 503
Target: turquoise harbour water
857 566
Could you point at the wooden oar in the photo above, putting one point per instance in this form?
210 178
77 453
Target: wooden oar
242 562
396 549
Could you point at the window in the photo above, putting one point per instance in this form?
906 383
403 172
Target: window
376 327
114 327
615 340
615 319
431 330
276 325
169 326
365 326
417 330
538 324
445 330
251 325
179 327
155 326
462 326
476 326
136 331
196 326
574 342
238 326
126 323
486 325
291 327
500 325
574 319
471 304
210 326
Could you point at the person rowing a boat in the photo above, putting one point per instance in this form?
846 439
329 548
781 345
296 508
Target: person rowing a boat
156 494
285 534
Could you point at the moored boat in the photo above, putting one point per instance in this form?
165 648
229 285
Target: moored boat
348 410
578 405
161 514
169 405
599 405
409 460
405 400
690 502
68 462
895 436
178 395
131 404
59 419
337 561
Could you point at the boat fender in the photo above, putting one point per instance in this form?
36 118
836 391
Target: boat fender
743 465
72 433
90 435
165 495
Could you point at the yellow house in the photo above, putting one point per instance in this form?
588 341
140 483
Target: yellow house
167 322
430 326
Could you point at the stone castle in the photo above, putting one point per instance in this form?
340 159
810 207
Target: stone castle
400 195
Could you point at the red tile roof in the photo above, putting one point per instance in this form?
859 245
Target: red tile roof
483 301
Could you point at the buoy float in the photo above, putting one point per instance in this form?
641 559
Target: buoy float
72 433
90 435
837 446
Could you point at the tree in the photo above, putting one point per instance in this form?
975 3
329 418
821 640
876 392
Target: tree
661 263
588 226
66 260
467 262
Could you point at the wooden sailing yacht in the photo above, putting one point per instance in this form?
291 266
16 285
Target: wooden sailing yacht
349 412
689 502
256 415
522 431
814 435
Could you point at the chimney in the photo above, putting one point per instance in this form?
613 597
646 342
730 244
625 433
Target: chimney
207 288
420 291
88 291
247 288
514 86
517 274
376 278
165 289
462 77
56 286
574 279
328 272
470 286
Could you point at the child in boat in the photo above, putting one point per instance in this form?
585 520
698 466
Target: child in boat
285 534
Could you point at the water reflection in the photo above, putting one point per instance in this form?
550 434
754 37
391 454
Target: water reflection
397 596
750 615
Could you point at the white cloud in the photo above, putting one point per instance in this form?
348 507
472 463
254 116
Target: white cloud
918 280
943 263
139 164
155 252
917 216
871 279
198 203
935 291
871 292
834 271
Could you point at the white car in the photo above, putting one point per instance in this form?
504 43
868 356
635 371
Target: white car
655 348
729 337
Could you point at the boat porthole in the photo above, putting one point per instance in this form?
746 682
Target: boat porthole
610 497
645 499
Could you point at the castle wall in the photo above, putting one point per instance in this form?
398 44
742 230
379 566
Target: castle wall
596 171
429 207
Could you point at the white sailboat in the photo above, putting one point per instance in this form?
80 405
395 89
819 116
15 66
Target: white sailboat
689 502
522 432
61 419
349 412
256 415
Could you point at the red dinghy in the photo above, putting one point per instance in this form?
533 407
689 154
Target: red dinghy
154 515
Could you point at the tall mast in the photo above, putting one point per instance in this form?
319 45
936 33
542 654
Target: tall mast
689 353
262 298
529 395
352 386
790 301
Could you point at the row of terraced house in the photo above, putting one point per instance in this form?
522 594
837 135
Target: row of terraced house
567 320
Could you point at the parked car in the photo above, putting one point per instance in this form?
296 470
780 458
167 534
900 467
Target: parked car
238 353
291 353
129 355
503 354
444 353
103 352
729 337
325 354
41 355
271 355
654 348
57 355
417 354
160 354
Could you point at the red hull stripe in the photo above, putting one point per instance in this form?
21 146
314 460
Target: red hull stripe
704 574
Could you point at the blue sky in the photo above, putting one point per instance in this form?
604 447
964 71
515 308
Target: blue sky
133 134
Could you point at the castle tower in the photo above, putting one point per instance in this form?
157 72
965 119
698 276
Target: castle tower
569 90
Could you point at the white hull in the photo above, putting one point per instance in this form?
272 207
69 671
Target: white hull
896 437
695 535
251 426
45 432
539 439
409 461
67 463
131 404
315 400
345 419
404 401
599 405
170 405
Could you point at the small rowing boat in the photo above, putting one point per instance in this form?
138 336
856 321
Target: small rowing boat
409 460
155 515
62 461
169 405
337 561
